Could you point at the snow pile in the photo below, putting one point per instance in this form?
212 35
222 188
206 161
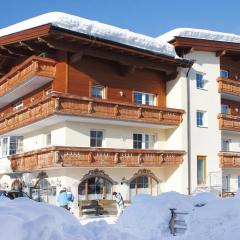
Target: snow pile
94 29
199 34
209 218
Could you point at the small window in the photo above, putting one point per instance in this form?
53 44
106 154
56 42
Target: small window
201 83
238 179
18 105
96 138
201 169
97 91
201 119
48 139
137 141
144 98
224 73
224 109
5 147
226 145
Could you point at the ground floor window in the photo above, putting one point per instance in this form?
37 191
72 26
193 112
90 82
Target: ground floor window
226 183
95 188
43 192
201 169
143 185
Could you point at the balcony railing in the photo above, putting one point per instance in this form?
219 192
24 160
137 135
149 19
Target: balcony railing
229 159
228 86
229 122
85 107
33 67
94 157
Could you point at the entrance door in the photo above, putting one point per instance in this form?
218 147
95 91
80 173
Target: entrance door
201 170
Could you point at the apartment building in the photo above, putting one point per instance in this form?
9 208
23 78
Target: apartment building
214 136
92 107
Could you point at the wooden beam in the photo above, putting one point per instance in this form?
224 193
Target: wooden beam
76 57
172 76
221 53
17 51
34 47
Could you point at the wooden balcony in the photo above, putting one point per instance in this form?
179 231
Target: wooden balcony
25 78
229 159
229 122
94 157
58 104
228 86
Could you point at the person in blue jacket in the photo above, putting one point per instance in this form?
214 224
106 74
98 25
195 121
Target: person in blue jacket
63 199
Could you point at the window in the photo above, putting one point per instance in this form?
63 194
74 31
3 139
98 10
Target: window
48 139
18 105
224 73
144 98
201 119
201 83
96 138
201 169
224 109
226 145
143 141
226 183
12 145
97 91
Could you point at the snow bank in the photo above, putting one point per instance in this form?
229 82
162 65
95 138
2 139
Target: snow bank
94 29
199 34
146 219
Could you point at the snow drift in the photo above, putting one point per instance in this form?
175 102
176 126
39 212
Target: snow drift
94 29
146 219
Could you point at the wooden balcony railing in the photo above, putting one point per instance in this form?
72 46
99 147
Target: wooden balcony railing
229 122
94 157
85 107
228 86
32 67
229 159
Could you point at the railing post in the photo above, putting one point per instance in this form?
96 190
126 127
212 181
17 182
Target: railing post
172 221
90 107
140 112
116 158
160 116
57 104
116 110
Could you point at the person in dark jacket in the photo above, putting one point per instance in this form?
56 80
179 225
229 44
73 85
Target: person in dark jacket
119 203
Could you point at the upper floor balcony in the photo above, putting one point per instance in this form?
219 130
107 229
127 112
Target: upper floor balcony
94 157
25 78
229 159
67 107
229 122
228 86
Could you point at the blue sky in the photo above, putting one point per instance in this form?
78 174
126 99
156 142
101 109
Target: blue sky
151 17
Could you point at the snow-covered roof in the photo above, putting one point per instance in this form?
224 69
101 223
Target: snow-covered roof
94 29
199 34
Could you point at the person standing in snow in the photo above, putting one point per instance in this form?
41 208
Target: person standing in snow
63 199
70 197
119 202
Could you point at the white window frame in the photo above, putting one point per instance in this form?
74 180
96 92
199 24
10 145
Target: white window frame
6 143
204 82
144 97
204 119
103 138
224 71
144 140
18 105
102 91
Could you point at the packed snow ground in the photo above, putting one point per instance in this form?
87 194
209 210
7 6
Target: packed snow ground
94 29
147 218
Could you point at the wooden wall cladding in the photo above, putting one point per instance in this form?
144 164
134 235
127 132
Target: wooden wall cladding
232 66
234 107
102 72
